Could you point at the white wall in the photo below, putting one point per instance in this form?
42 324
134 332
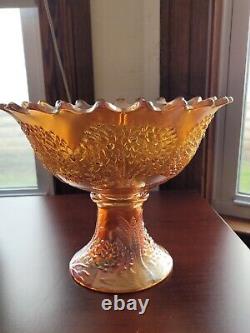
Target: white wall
126 38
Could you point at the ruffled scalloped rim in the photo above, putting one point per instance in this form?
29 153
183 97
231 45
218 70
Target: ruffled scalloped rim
120 105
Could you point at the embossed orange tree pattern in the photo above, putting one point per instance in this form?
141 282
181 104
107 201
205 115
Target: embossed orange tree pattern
110 154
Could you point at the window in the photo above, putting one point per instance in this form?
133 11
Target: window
21 80
243 185
232 159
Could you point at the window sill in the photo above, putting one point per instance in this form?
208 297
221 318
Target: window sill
239 225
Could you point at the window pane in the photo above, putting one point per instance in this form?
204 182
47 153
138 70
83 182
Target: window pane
17 163
244 167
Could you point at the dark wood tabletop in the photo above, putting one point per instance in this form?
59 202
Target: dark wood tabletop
207 292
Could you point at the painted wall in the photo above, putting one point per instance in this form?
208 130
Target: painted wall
126 42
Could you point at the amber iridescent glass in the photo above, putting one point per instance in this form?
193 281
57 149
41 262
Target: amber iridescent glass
118 152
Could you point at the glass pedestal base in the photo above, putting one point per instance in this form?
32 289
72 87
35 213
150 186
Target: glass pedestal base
121 257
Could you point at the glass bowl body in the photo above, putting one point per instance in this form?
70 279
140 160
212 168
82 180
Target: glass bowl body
116 147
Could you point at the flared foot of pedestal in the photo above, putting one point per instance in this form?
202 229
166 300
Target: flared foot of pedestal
119 271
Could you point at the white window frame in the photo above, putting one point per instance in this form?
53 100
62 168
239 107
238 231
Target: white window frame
35 77
233 61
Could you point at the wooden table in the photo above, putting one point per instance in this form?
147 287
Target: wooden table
208 291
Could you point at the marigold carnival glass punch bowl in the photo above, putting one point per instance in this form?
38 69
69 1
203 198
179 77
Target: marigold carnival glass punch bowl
118 152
